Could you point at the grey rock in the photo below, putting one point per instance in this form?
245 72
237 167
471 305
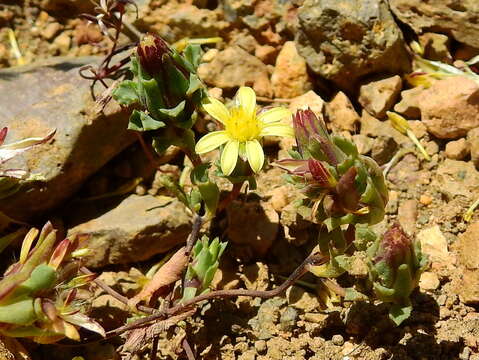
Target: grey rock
135 230
51 95
344 40
457 18
288 319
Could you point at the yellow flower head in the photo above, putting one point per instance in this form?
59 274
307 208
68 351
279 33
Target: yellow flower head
243 130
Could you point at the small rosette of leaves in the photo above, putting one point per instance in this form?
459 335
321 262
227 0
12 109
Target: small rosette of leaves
395 266
200 273
38 294
341 186
165 91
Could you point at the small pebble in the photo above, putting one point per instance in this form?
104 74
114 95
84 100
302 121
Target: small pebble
425 199
260 346
337 340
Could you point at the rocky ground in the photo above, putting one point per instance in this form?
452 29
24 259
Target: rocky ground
347 60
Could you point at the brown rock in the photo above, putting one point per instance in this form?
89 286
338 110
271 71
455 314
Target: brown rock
379 96
370 126
450 107
301 299
266 53
407 215
262 229
436 46
418 128
341 113
135 230
473 140
256 276
177 20
51 30
290 77
384 148
457 18
409 104
363 143
457 178
234 67
429 281
434 244
468 247
311 100
296 229
469 287
457 149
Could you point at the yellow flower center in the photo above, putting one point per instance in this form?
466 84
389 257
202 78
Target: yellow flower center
242 126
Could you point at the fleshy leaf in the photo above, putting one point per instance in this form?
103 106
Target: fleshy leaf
140 121
126 93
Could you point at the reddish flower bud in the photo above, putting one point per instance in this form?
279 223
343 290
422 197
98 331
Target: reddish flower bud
151 51
320 174
395 246
307 125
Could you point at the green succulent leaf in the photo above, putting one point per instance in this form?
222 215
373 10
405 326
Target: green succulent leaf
192 54
195 84
140 121
399 313
173 113
19 312
126 93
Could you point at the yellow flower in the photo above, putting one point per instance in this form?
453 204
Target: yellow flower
243 130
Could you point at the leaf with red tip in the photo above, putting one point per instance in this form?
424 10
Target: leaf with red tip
3 135
59 253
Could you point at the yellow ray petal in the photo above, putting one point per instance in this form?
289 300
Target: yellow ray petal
211 141
217 110
277 130
255 155
274 115
229 157
246 98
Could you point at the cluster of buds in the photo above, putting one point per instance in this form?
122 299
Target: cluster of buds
202 269
9 178
342 188
395 265
167 90
39 295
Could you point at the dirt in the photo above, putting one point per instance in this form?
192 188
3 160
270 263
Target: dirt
303 324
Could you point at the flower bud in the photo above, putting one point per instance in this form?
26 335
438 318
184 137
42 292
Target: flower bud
395 264
151 53
201 271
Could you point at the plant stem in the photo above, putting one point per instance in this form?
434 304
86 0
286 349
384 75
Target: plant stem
316 259
190 242
115 294
231 196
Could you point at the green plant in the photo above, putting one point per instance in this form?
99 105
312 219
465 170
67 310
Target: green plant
38 296
395 264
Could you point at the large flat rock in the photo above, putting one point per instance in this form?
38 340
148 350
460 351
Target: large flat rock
51 95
